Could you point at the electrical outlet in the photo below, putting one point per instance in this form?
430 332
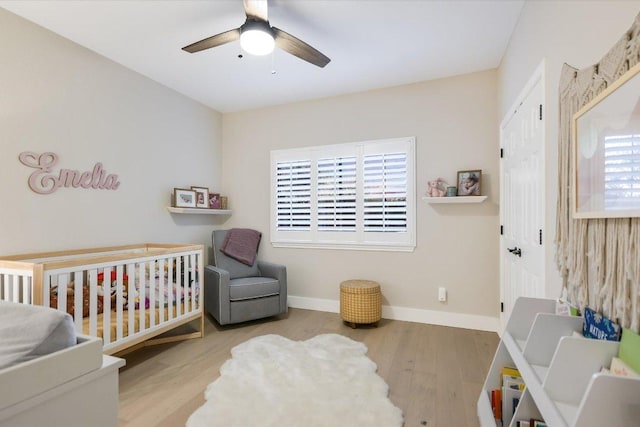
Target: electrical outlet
442 294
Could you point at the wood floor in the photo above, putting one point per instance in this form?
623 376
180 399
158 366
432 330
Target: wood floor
434 373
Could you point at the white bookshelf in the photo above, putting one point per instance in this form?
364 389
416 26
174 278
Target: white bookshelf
564 386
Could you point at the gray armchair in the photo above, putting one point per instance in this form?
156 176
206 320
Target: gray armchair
235 292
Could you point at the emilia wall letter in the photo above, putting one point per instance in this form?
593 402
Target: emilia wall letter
45 181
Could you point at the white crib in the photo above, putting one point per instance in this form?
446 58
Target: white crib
124 295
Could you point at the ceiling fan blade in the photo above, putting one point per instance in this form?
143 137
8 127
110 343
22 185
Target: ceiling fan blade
297 47
213 41
257 10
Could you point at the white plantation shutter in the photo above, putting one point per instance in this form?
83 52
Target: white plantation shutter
350 196
336 194
385 192
293 195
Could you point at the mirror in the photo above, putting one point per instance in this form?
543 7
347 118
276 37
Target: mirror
606 152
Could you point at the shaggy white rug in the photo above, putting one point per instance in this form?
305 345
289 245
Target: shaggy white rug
273 381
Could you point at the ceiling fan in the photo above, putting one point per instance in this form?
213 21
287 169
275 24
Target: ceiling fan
258 37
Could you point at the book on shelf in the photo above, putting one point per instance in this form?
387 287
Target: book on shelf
496 404
510 399
599 327
629 351
565 308
618 367
508 370
531 423
505 399
515 383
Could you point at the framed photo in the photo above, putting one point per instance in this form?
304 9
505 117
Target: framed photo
202 197
184 198
214 201
469 182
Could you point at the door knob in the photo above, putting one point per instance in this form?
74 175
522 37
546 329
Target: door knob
515 250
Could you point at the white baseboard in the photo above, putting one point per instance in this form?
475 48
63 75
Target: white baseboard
442 318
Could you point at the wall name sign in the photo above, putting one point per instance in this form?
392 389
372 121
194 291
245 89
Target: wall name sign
44 181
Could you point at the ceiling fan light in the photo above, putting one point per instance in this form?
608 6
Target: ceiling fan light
257 42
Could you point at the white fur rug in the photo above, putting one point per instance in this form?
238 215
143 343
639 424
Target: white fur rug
273 381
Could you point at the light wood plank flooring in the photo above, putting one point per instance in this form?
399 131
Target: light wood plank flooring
434 373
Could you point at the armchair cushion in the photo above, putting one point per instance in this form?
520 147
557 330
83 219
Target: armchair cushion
253 287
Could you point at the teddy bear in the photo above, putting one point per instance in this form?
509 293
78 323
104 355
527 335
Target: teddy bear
434 188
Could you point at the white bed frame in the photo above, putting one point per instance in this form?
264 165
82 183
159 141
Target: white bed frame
30 278
77 386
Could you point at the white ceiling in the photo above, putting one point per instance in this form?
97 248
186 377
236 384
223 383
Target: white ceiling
372 44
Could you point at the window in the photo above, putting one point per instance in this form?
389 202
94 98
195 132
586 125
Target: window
352 196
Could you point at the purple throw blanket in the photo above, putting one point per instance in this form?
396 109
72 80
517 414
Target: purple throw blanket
242 244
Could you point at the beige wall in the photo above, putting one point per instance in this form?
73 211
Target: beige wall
572 32
57 96
454 122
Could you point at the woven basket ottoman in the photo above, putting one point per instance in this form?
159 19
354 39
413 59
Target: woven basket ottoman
360 302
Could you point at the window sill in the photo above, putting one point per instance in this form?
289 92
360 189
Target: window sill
346 247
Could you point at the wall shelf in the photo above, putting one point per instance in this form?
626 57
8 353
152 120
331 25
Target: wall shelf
199 211
457 199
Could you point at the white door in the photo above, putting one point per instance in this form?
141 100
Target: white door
522 196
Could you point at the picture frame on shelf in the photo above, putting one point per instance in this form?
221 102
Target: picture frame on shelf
214 201
184 198
469 182
202 196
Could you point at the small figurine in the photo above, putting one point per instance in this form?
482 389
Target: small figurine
435 188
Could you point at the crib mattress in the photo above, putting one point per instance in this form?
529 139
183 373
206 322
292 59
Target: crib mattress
113 321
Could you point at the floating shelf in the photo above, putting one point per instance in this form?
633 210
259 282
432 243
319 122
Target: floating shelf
199 211
457 199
